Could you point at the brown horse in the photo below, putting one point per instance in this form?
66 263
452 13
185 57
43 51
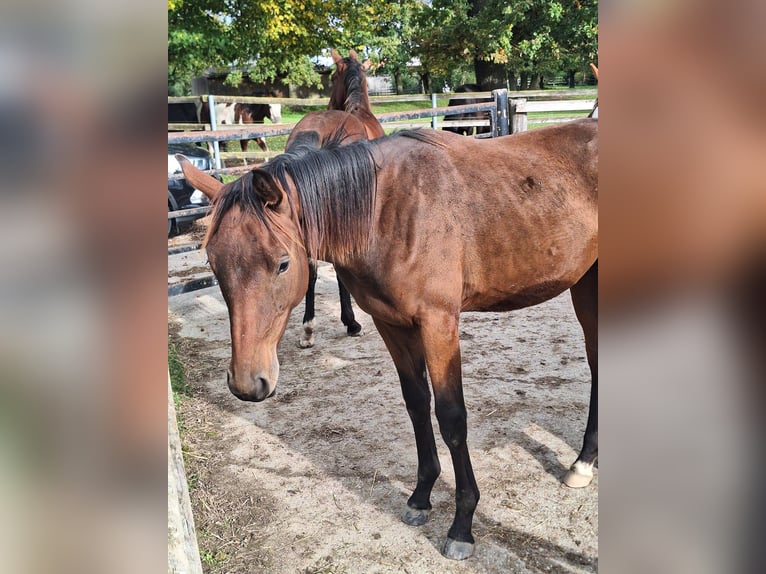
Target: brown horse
349 91
349 110
420 226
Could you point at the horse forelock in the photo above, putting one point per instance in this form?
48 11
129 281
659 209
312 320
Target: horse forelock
247 193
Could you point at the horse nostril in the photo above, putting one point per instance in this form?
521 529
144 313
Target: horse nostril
256 389
262 389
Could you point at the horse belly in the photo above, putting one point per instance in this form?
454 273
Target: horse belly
527 297
525 277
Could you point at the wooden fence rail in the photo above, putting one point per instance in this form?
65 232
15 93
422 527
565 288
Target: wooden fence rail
518 110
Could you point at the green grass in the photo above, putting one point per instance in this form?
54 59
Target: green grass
212 560
178 383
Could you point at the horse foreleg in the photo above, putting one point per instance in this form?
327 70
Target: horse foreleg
307 339
406 349
353 328
585 300
442 349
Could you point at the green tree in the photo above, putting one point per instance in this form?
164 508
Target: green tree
501 40
497 40
267 38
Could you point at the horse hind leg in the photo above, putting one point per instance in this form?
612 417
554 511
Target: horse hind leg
585 300
307 338
353 328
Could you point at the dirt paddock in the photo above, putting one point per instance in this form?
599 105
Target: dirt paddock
314 479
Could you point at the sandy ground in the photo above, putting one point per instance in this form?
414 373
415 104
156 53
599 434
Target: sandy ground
314 479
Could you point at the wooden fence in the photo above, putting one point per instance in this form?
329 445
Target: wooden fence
509 113
521 104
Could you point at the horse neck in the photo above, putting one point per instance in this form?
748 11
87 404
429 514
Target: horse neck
357 101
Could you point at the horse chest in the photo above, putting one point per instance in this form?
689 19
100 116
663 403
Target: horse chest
380 299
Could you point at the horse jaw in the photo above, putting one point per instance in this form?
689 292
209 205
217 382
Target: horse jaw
198 179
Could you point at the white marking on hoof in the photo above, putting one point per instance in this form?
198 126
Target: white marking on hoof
579 475
456 550
307 339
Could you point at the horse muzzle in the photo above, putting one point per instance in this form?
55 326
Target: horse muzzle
251 387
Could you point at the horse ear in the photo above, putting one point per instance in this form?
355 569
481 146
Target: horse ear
266 189
352 55
337 58
198 179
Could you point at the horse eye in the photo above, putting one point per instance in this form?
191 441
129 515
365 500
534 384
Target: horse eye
283 265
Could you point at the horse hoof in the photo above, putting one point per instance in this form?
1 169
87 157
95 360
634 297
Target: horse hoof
306 343
579 476
354 330
457 550
415 516
307 339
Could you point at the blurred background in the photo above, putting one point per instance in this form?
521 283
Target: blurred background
83 313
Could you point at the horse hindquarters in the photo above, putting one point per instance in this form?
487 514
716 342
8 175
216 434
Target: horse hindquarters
585 301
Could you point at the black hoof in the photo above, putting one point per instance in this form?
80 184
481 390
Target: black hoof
354 330
415 516
457 550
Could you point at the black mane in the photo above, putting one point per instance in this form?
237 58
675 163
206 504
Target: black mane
335 187
353 82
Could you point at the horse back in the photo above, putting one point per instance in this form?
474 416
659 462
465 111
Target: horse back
494 224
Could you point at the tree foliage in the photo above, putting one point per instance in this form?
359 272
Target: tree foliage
271 39
521 36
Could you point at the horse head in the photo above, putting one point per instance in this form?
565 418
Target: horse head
349 83
256 252
275 113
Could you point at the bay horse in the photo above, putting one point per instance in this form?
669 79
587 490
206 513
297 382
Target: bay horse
349 110
467 130
349 91
420 225
240 114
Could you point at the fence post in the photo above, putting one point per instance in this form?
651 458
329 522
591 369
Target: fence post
433 105
518 115
501 106
183 551
213 126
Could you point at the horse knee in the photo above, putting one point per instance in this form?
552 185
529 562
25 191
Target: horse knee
452 425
